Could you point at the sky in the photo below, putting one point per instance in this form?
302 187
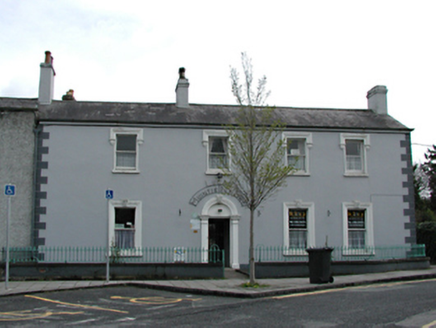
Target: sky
314 53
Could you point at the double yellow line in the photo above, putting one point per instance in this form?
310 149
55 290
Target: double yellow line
76 305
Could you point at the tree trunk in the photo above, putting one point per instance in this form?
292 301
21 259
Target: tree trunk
251 255
252 195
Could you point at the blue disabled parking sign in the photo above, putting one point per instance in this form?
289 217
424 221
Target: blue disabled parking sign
10 190
109 194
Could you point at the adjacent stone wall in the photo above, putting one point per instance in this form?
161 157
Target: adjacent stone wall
16 167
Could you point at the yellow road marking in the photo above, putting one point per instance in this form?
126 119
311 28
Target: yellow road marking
395 283
75 305
309 293
356 287
28 315
429 325
154 300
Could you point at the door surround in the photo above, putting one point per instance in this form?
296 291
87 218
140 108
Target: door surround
220 207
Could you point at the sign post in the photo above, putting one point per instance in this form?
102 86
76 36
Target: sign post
109 194
9 192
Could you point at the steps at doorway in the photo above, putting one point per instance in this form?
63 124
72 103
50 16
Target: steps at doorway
234 274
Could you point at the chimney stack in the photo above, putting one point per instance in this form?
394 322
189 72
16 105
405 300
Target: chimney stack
46 80
377 100
182 87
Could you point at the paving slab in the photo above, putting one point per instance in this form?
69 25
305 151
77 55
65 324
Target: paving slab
223 287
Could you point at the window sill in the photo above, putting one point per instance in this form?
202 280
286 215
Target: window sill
356 175
125 171
299 174
214 172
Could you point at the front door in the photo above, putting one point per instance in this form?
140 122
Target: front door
219 234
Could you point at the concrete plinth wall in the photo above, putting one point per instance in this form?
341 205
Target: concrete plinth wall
301 269
63 271
342 268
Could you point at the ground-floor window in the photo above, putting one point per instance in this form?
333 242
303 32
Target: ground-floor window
124 227
299 227
358 227
125 224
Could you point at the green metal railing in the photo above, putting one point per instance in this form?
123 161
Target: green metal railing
46 254
341 253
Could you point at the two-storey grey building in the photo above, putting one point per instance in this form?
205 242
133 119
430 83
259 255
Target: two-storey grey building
353 186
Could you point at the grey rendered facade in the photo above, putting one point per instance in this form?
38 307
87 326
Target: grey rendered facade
171 183
172 167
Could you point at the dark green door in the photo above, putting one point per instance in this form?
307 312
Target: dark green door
219 235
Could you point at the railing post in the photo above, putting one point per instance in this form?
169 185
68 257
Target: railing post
223 262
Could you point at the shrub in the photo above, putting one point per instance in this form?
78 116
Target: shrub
426 234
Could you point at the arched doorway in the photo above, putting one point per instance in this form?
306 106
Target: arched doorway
220 226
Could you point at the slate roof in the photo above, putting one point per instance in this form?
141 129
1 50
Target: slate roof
18 104
214 115
197 114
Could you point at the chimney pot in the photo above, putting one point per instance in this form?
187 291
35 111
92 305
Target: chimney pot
69 95
182 73
48 57
182 90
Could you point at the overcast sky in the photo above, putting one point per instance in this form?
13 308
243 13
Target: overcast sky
314 53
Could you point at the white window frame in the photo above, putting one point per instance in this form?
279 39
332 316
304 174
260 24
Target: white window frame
137 205
299 205
364 138
215 133
369 227
307 137
114 132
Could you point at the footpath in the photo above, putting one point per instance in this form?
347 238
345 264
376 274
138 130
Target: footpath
230 287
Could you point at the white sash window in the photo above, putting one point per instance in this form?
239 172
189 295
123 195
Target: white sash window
297 146
126 143
298 227
357 228
125 225
355 148
217 154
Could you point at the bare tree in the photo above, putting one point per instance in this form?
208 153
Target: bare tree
257 151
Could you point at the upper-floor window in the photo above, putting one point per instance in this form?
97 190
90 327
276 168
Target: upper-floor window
299 227
216 143
126 151
297 151
126 142
355 158
218 152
